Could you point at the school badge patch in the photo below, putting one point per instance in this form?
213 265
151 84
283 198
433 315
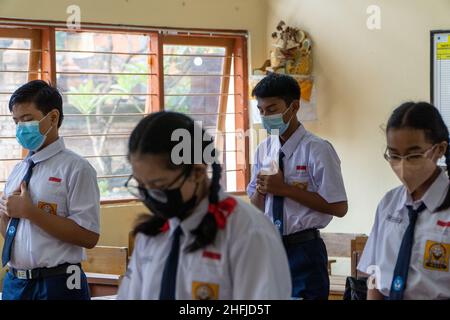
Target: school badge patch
48 207
301 185
436 256
205 291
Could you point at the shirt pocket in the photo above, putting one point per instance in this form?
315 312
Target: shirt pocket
56 193
55 188
301 180
209 280
434 255
53 203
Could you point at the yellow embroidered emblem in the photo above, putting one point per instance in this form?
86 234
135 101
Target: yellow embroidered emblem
436 256
48 207
301 185
205 291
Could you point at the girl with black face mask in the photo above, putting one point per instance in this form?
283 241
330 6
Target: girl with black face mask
198 242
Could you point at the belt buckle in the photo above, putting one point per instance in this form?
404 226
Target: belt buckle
24 274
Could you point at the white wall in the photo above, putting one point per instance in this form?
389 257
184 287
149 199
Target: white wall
361 75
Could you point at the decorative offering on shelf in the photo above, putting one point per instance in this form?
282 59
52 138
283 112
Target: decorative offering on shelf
291 52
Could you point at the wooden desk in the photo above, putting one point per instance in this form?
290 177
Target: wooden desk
337 287
101 284
330 262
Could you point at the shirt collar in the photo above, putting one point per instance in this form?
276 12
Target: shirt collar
49 151
191 223
432 198
291 144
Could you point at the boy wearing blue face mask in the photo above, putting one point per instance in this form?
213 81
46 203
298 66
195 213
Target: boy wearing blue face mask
49 210
304 191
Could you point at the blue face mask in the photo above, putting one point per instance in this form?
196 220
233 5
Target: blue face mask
29 135
275 122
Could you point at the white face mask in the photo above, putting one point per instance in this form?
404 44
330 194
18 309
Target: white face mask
413 173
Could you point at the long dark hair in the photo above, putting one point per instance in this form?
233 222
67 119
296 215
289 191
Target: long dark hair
423 116
153 135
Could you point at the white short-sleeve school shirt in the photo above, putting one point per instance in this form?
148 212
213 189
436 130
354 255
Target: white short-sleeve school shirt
428 275
246 261
64 184
310 163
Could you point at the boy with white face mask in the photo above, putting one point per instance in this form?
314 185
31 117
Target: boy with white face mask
303 194
49 210
409 245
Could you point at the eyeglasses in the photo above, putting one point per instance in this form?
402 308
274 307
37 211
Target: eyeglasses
135 188
412 158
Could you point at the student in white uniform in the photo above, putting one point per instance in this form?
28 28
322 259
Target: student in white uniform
200 243
303 190
407 254
49 210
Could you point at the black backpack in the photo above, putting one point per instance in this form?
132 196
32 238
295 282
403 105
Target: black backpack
355 289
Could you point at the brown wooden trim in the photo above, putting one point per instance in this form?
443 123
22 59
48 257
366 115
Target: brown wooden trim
157 69
17 33
136 201
221 119
241 106
35 57
238 193
49 55
119 201
197 32
198 41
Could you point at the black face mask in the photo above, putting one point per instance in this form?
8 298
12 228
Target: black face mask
169 203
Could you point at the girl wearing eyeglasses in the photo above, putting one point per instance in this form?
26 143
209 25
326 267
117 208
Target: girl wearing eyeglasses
407 253
198 242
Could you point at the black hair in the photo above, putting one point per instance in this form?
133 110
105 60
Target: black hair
44 96
153 135
277 85
423 116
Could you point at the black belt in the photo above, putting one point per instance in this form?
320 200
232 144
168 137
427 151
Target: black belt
40 273
301 236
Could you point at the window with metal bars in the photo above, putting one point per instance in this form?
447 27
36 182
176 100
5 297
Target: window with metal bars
111 79
19 63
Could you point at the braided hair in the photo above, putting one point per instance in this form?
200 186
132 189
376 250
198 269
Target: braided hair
423 116
153 135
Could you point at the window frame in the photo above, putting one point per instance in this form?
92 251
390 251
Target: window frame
43 53
35 36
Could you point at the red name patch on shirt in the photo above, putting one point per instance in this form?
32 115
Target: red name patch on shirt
211 255
53 179
301 168
443 223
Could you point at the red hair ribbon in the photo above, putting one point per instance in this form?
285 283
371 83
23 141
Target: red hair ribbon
222 210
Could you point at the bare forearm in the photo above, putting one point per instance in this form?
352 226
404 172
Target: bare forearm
258 200
314 201
64 229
